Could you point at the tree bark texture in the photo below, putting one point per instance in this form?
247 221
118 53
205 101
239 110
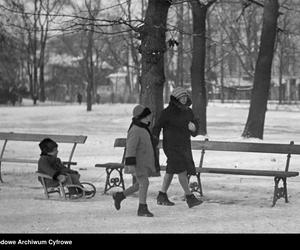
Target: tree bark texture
152 49
90 68
199 96
262 78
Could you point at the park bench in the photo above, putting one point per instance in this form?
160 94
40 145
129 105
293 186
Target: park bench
246 147
249 147
28 137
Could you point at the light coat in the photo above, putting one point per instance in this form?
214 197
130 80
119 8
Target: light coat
139 147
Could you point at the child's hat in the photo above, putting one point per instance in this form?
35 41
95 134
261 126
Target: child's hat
47 145
140 112
179 92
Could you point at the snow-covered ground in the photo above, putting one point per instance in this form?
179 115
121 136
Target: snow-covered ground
232 204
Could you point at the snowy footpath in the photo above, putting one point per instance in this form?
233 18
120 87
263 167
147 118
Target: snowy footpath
232 204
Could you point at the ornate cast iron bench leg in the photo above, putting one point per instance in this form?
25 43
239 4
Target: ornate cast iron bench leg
279 191
196 186
114 182
199 184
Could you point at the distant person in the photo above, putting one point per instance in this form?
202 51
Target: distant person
35 99
13 96
178 124
51 165
79 98
98 98
141 159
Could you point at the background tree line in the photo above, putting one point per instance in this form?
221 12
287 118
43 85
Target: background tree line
161 42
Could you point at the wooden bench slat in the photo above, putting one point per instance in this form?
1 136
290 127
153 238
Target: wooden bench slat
233 146
110 165
246 147
247 172
39 137
118 165
18 160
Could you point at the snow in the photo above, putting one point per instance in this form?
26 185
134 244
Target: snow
232 204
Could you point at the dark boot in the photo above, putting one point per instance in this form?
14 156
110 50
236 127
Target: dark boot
192 201
118 197
162 199
143 211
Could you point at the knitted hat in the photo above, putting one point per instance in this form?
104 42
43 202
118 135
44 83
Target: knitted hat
140 112
179 92
47 145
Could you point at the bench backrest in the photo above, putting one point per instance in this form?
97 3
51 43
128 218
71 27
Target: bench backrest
235 147
247 147
38 137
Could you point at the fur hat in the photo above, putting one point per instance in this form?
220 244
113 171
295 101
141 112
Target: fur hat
47 145
139 112
179 92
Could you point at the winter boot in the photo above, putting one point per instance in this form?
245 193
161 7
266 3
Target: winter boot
162 199
192 201
118 197
143 211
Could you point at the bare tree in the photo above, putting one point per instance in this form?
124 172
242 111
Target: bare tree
152 49
49 9
262 78
199 95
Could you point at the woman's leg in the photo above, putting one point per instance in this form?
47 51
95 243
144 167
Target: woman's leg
143 183
166 182
132 189
184 182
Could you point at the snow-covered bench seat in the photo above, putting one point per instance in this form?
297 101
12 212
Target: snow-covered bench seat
246 147
31 137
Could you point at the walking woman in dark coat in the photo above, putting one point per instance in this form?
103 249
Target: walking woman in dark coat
178 124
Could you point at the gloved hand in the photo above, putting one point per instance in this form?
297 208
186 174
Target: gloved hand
192 127
61 178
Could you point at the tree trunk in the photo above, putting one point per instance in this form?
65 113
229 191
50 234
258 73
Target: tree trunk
222 69
262 78
35 61
152 49
42 82
199 96
90 68
180 22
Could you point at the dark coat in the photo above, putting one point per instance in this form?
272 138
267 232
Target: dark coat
176 136
53 167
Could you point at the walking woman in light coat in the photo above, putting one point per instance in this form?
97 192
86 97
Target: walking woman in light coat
140 159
